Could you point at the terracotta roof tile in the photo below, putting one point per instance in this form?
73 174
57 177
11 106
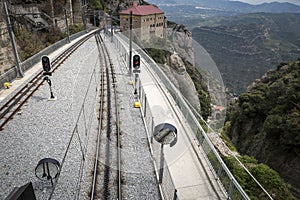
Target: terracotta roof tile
142 10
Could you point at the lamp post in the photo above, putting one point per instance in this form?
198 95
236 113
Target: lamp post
130 41
67 26
47 72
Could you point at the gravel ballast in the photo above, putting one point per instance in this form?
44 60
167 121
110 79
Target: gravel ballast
66 130
138 175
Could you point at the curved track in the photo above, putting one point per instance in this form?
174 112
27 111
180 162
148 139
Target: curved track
106 173
15 103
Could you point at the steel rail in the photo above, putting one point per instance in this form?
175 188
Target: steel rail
94 182
160 85
15 103
118 130
105 72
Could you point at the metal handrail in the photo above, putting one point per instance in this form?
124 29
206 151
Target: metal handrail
178 96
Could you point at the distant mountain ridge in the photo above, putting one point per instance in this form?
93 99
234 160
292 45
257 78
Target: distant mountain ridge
235 6
244 47
190 12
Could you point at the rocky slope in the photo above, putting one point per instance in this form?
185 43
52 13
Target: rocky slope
265 122
177 72
175 54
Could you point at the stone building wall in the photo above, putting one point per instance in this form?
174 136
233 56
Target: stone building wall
145 25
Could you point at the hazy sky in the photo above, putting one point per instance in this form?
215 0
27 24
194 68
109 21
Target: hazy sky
263 1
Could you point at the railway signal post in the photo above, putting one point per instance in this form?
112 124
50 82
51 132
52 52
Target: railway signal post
47 72
136 70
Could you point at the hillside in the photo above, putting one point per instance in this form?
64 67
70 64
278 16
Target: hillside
190 12
32 36
244 47
234 6
265 122
175 57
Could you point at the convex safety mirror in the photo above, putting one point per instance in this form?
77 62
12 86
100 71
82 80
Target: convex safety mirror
165 133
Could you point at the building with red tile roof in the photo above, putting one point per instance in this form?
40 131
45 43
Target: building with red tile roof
147 21
143 10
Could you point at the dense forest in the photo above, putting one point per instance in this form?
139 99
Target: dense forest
265 122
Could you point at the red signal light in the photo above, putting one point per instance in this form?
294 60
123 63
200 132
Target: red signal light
136 61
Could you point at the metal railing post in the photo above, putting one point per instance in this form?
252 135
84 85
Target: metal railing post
145 106
230 189
175 194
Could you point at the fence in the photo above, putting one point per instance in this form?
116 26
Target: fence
168 187
163 174
221 172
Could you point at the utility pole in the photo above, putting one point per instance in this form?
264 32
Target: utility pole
20 72
111 27
71 12
130 42
94 23
52 11
84 14
67 26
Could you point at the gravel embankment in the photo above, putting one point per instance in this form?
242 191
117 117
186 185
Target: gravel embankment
66 130
139 180
44 129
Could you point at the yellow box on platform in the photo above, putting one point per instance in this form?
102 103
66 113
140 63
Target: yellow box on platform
6 85
137 104
130 82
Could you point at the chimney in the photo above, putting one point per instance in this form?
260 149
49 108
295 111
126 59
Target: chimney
135 3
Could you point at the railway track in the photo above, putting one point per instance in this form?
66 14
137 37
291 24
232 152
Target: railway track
106 182
14 104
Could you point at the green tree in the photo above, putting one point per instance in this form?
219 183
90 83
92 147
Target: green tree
271 180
